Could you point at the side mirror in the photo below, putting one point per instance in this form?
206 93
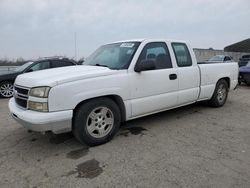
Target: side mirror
145 65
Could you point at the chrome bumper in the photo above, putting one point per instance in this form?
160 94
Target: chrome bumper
57 122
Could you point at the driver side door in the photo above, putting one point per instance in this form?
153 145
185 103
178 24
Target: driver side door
157 89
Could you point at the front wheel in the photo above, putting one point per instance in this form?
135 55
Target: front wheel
220 94
96 121
6 89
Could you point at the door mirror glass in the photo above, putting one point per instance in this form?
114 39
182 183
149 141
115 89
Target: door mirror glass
145 65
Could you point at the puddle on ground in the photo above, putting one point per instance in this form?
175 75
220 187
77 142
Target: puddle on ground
132 130
60 138
46 174
89 169
76 154
33 139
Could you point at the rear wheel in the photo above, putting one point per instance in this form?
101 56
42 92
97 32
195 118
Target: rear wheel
96 121
6 89
220 94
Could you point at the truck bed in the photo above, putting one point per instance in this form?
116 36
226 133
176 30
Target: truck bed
210 73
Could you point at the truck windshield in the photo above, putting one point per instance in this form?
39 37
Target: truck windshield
114 56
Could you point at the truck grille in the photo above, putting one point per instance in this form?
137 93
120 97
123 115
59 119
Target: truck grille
21 96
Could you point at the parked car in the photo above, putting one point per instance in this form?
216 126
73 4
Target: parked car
244 60
118 82
81 61
244 75
220 59
7 78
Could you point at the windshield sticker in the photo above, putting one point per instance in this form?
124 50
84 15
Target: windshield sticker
127 45
130 51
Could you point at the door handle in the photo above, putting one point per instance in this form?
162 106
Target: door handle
173 76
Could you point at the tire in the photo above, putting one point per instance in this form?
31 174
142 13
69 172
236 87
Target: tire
220 94
96 121
6 89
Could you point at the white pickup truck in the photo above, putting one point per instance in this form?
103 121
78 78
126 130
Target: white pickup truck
118 82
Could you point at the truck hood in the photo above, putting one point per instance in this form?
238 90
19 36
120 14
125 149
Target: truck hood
56 76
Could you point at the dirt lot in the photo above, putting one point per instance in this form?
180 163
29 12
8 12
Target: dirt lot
194 146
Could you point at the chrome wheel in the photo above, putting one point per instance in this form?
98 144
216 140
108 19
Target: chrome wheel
100 122
221 93
6 90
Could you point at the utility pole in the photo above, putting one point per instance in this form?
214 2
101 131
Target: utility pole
75 47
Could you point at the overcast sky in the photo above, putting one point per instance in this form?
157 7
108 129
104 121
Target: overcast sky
33 28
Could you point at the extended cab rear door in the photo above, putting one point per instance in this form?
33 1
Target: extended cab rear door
154 90
188 73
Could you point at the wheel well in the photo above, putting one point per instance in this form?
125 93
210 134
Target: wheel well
227 80
117 99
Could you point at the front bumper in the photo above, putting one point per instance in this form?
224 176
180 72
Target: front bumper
244 77
57 122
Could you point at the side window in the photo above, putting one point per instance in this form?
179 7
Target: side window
182 54
227 58
40 66
57 63
158 52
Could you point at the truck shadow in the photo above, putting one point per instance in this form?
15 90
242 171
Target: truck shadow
138 126
176 113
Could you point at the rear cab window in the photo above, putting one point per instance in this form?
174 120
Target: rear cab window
182 54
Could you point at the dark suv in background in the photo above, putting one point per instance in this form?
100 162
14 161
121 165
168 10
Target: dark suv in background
7 79
244 60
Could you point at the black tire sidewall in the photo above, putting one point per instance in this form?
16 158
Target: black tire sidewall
80 120
214 100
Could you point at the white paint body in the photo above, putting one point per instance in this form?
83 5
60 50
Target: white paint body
142 93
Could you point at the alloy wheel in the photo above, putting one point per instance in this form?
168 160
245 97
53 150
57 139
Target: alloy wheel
100 122
7 90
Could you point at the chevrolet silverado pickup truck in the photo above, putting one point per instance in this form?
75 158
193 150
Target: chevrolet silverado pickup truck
120 81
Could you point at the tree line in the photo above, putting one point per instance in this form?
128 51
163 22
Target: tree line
12 62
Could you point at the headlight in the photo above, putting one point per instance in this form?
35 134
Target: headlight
38 99
38 106
42 92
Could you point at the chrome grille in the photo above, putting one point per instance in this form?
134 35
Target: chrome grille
21 95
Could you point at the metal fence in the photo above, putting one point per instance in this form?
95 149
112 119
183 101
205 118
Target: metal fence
7 68
205 54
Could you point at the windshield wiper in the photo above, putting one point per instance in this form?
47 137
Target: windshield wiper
100 65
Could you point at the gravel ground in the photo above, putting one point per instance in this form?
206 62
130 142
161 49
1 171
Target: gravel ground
193 146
